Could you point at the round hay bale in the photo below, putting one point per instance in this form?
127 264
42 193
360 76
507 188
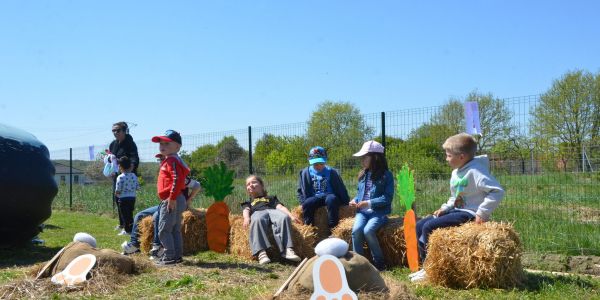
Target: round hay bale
391 239
360 273
193 232
303 237
321 220
475 255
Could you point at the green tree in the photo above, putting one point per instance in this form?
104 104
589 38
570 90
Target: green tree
233 155
340 129
200 159
568 112
280 154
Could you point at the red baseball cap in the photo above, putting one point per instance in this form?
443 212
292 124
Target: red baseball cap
169 136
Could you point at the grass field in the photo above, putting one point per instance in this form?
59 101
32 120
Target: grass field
567 203
209 275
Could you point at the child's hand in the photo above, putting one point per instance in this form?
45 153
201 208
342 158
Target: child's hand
438 213
352 204
294 219
479 220
362 204
246 223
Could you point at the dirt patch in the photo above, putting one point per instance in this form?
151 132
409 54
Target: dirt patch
563 263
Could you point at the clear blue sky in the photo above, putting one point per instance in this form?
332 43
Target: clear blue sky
69 69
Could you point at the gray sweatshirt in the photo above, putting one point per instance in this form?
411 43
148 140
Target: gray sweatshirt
473 189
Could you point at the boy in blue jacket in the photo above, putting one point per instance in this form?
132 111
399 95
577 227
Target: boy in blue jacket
320 185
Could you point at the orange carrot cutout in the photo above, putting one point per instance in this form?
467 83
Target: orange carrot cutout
406 189
217 182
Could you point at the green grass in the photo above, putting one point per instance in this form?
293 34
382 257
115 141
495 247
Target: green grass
568 203
209 275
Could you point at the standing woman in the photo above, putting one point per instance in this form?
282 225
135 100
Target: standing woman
373 200
123 145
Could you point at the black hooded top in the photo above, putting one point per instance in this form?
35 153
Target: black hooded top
126 148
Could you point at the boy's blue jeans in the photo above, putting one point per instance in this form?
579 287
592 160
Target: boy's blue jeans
427 225
150 211
365 228
310 205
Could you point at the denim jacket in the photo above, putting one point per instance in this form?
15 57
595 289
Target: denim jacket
382 193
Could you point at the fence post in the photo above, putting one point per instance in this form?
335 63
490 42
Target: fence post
70 178
250 170
383 129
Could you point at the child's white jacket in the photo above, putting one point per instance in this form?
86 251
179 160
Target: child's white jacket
474 189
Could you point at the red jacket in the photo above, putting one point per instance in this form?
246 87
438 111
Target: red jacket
171 177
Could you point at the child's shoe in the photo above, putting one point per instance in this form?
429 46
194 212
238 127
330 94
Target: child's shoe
419 277
263 258
163 261
291 255
129 248
157 252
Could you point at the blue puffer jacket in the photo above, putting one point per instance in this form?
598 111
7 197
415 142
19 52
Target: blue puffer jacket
382 192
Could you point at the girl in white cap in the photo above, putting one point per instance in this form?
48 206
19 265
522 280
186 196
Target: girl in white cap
373 200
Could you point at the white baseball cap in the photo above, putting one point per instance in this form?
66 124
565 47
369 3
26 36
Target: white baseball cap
369 147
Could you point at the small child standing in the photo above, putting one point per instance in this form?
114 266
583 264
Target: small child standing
170 184
475 193
125 191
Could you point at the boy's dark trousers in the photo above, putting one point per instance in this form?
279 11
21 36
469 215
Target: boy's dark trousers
427 225
310 205
126 207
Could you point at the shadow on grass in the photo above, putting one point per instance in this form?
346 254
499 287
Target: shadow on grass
26 255
535 282
225 265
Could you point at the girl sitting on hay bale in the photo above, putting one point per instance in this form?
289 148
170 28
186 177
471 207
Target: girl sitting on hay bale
475 193
373 200
261 212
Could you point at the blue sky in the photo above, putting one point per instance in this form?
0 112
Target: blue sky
69 69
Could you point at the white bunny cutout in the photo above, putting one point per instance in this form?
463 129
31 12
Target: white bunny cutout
329 280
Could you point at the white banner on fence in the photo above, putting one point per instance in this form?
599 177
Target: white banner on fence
473 125
91 152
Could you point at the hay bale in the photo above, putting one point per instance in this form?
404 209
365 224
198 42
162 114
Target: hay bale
193 232
321 220
303 237
391 239
473 255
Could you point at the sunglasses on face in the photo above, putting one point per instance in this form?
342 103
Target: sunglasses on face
116 130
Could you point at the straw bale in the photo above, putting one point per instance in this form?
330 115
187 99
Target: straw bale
193 232
303 237
475 256
321 220
391 239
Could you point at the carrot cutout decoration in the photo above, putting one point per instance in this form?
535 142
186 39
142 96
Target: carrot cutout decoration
217 183
406 188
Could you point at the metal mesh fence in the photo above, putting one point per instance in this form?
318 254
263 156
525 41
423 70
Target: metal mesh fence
552 190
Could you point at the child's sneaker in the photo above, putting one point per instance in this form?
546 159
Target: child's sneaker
419 277
263 258
291 255
157 252
129 248
123 232
165 262
411 275
179 260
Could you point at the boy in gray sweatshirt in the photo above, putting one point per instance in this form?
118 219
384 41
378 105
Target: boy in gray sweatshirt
474 193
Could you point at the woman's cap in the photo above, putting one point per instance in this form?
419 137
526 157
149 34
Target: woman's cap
317 155
369 147
169 136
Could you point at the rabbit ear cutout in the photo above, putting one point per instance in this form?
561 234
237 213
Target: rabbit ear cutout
329 280
76 271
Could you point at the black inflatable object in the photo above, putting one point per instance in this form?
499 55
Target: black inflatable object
27 185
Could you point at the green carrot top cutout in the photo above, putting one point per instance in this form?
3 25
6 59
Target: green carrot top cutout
217 181
406 187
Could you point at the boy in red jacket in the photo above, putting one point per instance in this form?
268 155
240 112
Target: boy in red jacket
170 184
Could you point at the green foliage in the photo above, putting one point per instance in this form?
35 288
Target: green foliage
217 181
340 129
280 154
569 112
226 150
406 187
